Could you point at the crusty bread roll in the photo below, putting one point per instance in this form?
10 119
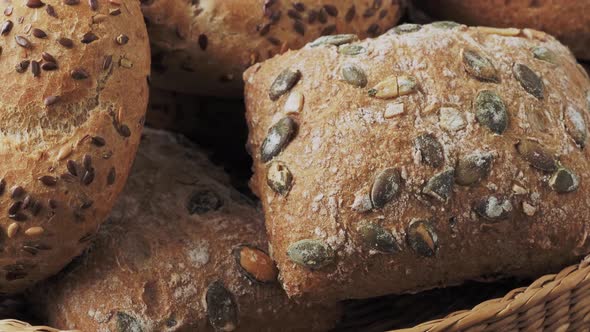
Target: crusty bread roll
73 102
568 20
204 46
428 156
181 252
12 325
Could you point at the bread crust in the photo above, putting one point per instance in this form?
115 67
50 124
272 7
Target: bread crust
155 260
346 136
203 47
77 97
568 20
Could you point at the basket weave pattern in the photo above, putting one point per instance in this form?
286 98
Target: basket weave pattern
558 302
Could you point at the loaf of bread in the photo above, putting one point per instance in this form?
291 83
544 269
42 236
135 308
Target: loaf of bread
12 325
181 252
426 157
568 20
73 102
204 46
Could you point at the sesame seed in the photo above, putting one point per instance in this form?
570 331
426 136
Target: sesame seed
203 41
323 16
48 66
16 191
294 14
6 27
98 141
106 63
2 186
111 176
93 4
39 33
51 11
35 3
8 11
48 57
22 41
122 39
350 14
72 167
15 207
87 162
52 203
66 42
300 7
331 10
299 27
115 12
22 66
88 177
35 68
71 2
79 74
51 100
124 131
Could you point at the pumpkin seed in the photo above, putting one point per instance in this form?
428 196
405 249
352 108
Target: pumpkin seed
354 75
451 119
529 81
375 237
490 111
279 178
406 28
479 66
203 201
351 49
564 180
255 264
537 155
283 83
386 186
473 168
493 208
440 186
222 309
312 254
278 137
545 54
431 151
422 238
445 24
335 40
576 126
127 323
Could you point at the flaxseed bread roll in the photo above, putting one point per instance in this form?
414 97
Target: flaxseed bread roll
182 251
568 20
74 96
204 46
426 157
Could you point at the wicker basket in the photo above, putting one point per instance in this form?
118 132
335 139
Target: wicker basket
558 302
12 325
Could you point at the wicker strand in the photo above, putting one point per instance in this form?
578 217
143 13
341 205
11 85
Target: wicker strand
559 302
13 325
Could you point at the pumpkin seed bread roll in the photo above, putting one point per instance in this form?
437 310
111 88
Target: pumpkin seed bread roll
567 20
204 46
182 252
73 102
423 158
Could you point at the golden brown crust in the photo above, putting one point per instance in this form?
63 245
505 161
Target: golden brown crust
172 235
346 136
204 46
63 105
568 20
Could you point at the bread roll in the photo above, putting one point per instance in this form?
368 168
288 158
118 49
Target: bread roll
73 104
203 47
568 20
181 252
426 157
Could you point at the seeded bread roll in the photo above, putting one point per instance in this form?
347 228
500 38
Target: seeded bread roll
568 20
204 46
181 252
428 156
74 97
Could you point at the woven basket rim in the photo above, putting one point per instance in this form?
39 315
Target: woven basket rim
13 325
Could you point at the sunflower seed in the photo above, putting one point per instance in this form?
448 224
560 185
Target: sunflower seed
283 83
375 237
279 178
440 186
294 103
576 126
278 137
422 238
493 208
335 40
386 187
354 75
564 180
473 168
529 81
222 309
537 155
545 54
451 119
312 254
431 151
490 111
479 66
255 264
